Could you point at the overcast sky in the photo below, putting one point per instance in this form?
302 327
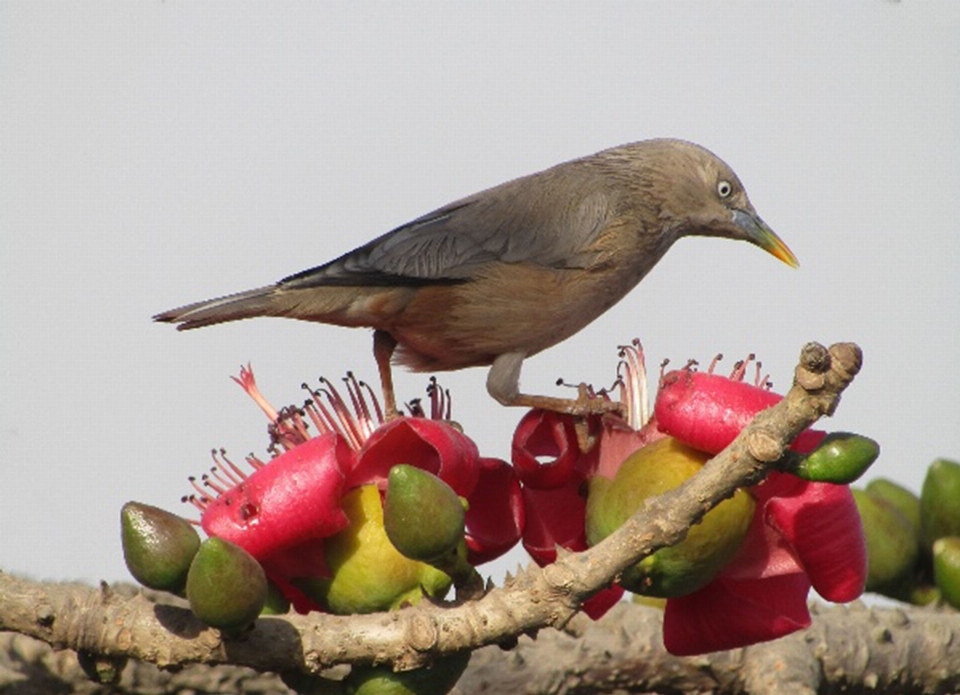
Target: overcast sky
157 153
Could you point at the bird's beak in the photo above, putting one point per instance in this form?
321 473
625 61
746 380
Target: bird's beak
757 232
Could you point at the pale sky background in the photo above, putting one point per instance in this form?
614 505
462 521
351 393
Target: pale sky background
156 153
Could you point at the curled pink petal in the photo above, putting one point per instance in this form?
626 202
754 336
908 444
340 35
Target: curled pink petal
432 445
554 517
824 527
295 498
545 449
727 614
495 518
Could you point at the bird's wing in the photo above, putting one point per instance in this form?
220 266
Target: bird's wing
521 221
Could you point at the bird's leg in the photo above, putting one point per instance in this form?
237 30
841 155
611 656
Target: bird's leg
503 383
383 346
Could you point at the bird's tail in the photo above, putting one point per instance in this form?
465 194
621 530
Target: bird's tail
233 307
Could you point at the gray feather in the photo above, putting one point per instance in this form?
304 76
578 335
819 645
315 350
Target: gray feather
504 224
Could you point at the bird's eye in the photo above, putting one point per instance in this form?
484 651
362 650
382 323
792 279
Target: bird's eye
724 189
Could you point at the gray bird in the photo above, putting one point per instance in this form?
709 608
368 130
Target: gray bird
500 275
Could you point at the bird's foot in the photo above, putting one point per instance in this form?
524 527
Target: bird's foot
584 407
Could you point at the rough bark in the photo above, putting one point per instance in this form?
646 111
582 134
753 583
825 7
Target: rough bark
856 648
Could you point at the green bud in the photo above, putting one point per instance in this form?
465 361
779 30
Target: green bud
422 515
368 573
892 548
940 502
157 546
708 547
946 569
226 586
900 497
436 679
841 458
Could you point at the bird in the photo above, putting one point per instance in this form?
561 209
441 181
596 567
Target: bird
503 274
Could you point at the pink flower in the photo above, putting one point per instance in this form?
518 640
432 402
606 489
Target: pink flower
803 534
282 511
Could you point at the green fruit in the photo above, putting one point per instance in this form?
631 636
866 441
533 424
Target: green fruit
157 546
900 497
226 586
436 679
940 502
708 547
841 458
422 515
892 547
946 569
368 573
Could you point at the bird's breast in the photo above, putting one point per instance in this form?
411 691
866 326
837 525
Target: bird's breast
506 308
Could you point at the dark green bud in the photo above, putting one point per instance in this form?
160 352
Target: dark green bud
226 586
422 515
841 458
940 502
157 546
900 497
946 569
436 679
892 548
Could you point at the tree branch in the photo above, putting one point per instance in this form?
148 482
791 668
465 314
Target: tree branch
103 622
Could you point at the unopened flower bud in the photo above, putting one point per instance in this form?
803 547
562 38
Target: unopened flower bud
892 547
946 568
158 546
226 586
840 458
436 679
900 497
422 515
940 502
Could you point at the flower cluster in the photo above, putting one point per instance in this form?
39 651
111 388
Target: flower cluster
801 533
354 513
286 511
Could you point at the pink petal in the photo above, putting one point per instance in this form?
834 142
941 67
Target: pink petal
431 445
727 614
707 411
292 499
554 517
495 517
821 521
545 449
765 553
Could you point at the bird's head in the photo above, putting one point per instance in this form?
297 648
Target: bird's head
702 196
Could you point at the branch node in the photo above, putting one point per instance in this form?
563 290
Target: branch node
847 360
422 632
814 357
764 447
